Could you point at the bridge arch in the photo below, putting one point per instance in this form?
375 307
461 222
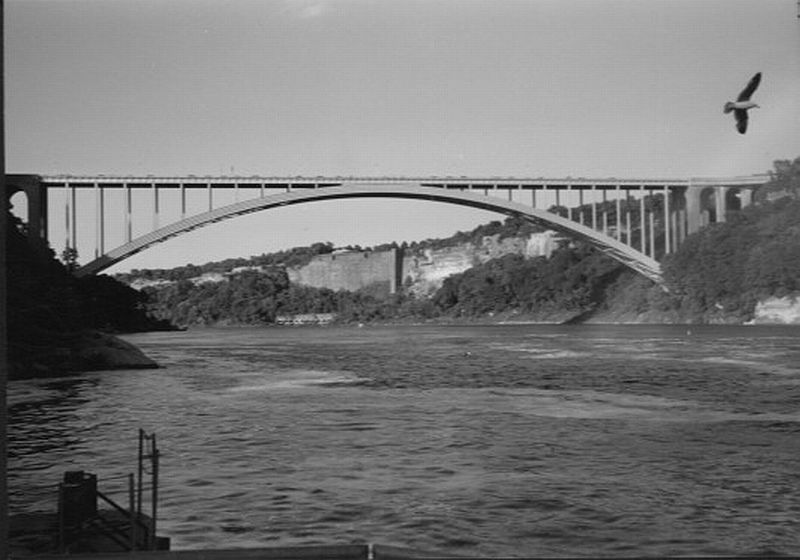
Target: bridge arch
623 253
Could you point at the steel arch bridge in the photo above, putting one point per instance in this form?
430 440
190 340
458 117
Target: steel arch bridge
633 229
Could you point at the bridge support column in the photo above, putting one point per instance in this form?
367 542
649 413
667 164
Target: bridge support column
156 220
99 197
642 221
128 204
183 201
719 195
746 196
693 221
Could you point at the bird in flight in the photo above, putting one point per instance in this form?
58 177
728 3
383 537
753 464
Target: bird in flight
743 103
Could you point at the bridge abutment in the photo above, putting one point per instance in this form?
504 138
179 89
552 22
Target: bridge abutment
36 195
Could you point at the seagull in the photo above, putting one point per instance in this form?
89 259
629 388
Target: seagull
743 103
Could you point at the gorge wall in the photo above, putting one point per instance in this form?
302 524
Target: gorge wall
420 271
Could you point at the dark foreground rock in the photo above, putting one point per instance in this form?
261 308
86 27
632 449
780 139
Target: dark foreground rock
84 351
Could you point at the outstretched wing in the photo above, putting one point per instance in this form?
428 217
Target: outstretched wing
751 87
741 120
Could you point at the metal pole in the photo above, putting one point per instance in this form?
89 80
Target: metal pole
155 494
132 511
140 474
210 199
619 217
594 207
667 223
652 236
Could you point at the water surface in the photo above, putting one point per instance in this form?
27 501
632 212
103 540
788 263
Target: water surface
514 440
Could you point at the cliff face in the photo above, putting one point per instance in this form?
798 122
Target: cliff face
350 271
778 311
420 272
423 272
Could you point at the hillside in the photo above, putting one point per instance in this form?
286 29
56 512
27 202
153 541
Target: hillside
729 272
58 324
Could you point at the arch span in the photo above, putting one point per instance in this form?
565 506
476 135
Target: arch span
627 255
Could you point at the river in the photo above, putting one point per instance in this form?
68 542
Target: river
513 440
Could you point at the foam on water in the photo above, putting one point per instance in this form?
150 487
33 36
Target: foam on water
295 379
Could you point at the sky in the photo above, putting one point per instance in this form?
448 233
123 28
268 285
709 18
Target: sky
522 88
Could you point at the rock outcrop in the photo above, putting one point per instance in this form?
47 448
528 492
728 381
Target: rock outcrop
777 311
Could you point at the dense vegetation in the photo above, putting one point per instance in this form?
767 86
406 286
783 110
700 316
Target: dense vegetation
729 267
49 309
718 274
297 256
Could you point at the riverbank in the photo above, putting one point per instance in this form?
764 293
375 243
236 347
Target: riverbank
87 350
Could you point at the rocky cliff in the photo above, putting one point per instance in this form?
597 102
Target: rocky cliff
778 311
424 271
421 271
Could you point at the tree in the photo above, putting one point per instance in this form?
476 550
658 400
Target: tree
69 256
784 181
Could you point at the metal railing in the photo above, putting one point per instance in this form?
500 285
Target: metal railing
80 520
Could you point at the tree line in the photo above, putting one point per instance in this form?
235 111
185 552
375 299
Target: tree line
721 271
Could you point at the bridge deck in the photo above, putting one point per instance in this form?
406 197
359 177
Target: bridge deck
107 181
